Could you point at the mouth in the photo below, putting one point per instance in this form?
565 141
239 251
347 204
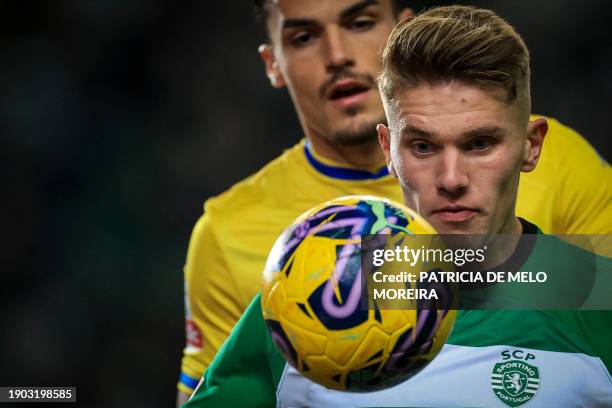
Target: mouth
347 92
455 214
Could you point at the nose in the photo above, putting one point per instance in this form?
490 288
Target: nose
452 179
337 54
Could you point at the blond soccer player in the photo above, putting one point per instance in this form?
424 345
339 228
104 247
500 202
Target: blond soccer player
327 54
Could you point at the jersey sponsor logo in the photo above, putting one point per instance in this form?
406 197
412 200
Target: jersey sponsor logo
194 336
515 381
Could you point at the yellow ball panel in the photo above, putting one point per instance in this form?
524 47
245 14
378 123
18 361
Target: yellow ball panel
344 343
315 259
394 320
324 371
375 341
274 300
307 342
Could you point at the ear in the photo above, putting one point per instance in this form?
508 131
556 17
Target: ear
384 138
404 13
274 75
536 131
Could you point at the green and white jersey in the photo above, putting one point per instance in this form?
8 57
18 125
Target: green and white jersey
492 359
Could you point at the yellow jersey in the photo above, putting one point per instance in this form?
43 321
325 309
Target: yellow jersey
570 191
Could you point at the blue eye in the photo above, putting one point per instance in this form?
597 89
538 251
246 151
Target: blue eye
422 147
480 144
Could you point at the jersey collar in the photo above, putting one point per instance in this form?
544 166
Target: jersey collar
523 249
342 173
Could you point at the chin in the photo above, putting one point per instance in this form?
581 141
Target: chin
347 139
467 228
361 133
454 231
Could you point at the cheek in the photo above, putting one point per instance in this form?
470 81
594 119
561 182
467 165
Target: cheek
369 54
302 84
367 48
414 174
498 178
302 76
304 91
378 38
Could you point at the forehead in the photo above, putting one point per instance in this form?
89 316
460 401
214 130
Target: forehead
316 10
450 107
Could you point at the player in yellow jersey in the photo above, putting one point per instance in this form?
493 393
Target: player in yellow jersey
327 53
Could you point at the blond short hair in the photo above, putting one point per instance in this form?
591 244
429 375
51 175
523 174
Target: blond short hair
456 43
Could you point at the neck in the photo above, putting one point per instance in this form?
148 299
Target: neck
503 244
511 226
366 156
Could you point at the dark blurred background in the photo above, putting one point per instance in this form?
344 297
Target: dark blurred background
119 118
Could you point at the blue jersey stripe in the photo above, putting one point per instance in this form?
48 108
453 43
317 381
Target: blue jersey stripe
341 172
188 381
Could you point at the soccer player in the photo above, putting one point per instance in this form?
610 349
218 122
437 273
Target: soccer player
327 53
455 85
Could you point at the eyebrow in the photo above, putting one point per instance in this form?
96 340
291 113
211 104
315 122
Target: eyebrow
484 131
356 8
478 132
298 23
344 14
417 131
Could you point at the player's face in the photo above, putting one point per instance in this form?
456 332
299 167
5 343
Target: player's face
327 52
458 150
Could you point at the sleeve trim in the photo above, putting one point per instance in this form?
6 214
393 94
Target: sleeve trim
188 381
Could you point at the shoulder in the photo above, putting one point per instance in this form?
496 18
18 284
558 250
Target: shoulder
259 185
573 181
560 134
564 141
566 253
261 189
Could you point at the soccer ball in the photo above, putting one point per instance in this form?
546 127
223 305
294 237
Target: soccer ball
313 306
